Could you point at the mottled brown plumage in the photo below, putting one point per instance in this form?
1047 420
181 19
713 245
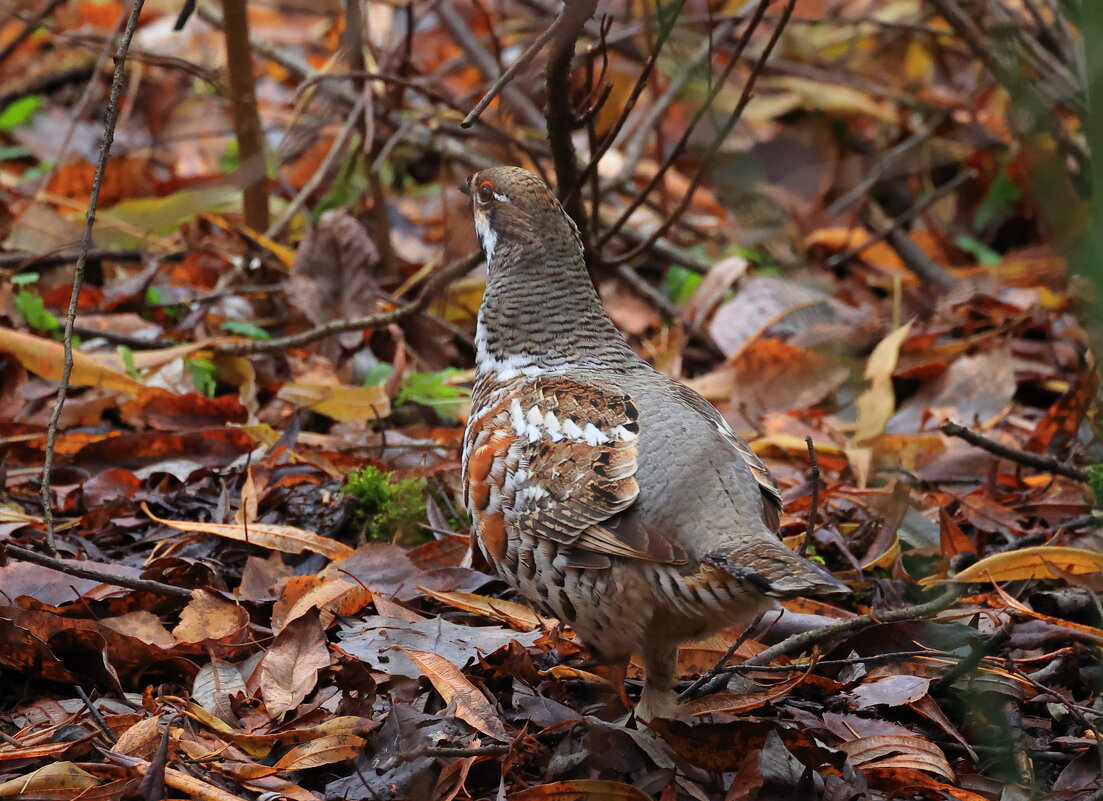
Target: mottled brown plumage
613 497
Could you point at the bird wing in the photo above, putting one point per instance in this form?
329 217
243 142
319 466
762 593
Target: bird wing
771 495
554 458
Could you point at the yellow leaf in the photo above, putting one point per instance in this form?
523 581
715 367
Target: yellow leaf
286 539
339 402
876 404
1040 562
517 616
46 358
55 776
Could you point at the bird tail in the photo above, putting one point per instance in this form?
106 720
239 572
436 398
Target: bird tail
772 569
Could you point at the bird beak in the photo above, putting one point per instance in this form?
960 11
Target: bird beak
465 187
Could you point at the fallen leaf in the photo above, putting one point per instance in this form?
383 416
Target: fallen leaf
877 403
454 687
286 539
46 358
339 402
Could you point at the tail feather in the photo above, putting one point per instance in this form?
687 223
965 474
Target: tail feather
774 570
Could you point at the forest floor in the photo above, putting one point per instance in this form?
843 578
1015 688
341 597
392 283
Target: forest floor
256 578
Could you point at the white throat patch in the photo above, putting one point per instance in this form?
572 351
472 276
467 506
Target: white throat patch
486 235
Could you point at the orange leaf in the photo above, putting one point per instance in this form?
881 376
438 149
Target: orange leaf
46 358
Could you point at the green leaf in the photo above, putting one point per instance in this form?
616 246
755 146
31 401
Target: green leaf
998 203
127 355
681 283
245 329
34 312
25 278
203 376
19 112
13 152
432 389
983 254
1095 480
378 374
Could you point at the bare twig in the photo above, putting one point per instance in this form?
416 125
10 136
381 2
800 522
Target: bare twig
21 260
692 690
435 283
637 90
806 639
890 157
560 114
1041 461
96 716
112 117
717 141
522 61
76 568
940 278
660 301
322 174
813 510
243 105
477 52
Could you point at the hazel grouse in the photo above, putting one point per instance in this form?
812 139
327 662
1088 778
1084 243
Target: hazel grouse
604 492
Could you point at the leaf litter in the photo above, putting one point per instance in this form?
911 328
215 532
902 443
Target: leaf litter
317 655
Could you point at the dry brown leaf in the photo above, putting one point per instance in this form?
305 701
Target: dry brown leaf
289 671
453 686
517 616
323 751
896 750
286 539
55 776
207 618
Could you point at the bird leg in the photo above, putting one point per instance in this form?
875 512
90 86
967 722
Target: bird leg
660 662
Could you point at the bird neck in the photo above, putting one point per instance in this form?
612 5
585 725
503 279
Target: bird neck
541 314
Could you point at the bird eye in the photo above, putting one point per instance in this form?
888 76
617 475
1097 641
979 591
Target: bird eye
486 191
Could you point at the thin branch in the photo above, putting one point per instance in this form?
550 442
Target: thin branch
477 52
561 118
324 170
718 140
522 61
663 304
73 567
813 510
439 280
1040 461
22 260
705 678
112 117
622 118
246 118
96 716
913 211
